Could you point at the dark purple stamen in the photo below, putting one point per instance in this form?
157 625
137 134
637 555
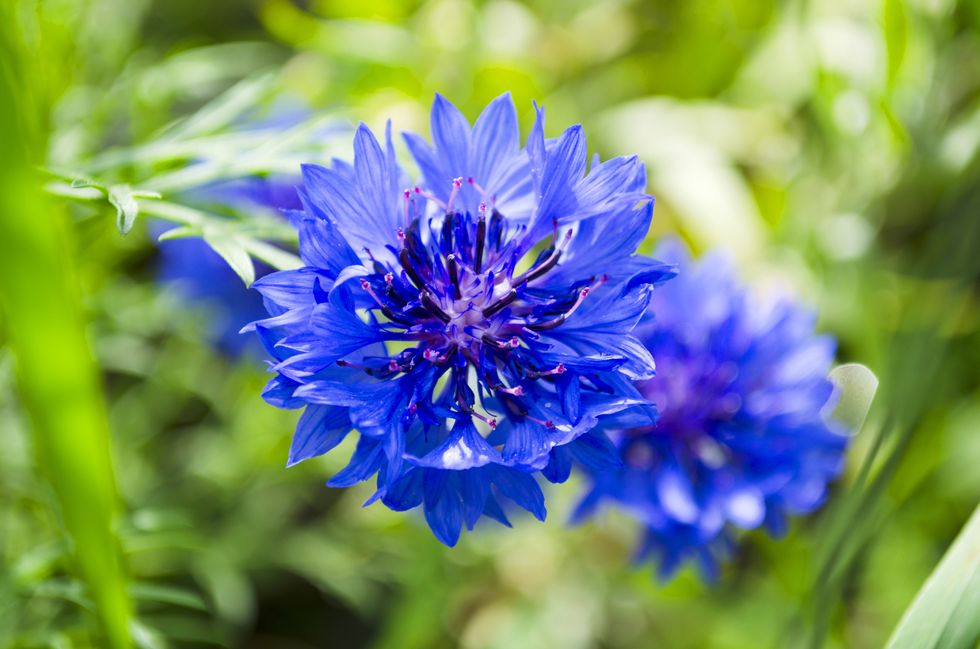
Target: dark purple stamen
454 276
406 263
500 304
425 297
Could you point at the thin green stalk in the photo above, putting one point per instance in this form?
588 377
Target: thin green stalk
57 376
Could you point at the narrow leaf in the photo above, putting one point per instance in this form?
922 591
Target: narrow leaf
233 252
946 612
127 208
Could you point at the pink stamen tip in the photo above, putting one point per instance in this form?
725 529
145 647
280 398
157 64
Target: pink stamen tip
584 292
560 369
389 278
457 182
364 284
549 424
518 391
492 423
412 409
393 366
407 193
401 234
470 180
514 342
417 189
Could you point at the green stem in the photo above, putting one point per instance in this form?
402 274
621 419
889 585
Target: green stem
58 379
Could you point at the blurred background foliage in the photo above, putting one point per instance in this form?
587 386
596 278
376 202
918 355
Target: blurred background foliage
831 146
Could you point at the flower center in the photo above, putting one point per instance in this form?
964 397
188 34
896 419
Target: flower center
457 293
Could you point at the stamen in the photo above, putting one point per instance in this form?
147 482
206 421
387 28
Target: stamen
457 183
357 366
385 309
584 293
429 303
434 357
500 304
548 263
516 391
407 194
426 195
558 369
370 291
477 187
447 231
490 421
406 263
492 340
547 424
454 276
481 237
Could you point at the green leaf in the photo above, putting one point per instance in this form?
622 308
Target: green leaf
946 611
275 257
225 109
127 208
47 329
181 232
856 386
232 250
163 594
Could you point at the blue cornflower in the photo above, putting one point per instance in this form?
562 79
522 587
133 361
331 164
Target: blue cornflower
743 437
465 326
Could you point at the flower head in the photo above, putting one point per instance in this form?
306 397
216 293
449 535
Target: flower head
743 437
465 325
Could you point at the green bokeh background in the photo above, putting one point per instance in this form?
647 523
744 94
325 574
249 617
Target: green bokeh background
831 146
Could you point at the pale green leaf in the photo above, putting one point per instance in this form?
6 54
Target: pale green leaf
946 611
127 208
233 252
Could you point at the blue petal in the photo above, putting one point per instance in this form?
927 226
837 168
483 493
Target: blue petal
522 488
527 443
559 466
463 449
496 139
443 509
405 493
595 452
564 168
321 244
319 430
365 462
451 135
335 393
289 289
492 509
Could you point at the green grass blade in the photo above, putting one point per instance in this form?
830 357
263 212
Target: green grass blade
946 612
58 380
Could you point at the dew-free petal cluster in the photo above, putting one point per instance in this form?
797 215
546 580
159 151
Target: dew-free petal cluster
473 326
744 436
